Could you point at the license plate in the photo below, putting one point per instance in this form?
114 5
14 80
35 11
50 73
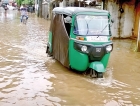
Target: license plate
98 49
97 38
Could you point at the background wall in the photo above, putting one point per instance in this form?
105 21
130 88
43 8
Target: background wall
124 22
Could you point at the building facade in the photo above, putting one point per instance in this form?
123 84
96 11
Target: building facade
125 13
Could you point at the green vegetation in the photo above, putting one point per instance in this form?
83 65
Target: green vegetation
28 2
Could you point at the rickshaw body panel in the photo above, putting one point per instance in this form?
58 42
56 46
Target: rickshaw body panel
78 61
50 41
100 66
97 66
73 57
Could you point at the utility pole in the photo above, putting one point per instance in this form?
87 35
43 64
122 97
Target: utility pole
40 8
103 5
138 42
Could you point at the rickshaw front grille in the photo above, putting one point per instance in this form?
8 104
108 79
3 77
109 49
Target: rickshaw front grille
96 53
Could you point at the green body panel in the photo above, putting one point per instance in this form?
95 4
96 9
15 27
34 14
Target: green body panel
50 41
98 66
94 13
105 60
78 61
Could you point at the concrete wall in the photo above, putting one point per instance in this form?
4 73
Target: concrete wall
112 7
124 22
45 11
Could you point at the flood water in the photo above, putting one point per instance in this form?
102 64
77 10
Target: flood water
29 78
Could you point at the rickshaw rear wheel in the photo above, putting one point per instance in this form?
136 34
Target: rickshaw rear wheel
99 75
48 52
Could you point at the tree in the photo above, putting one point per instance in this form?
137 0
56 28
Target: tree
29 2
19 2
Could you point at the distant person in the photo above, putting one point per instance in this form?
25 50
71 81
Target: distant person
24 12
5 8
30 9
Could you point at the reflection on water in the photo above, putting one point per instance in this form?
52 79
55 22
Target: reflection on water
28 77
7 16
24 79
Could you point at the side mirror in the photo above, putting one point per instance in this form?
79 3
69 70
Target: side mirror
112 20
67 19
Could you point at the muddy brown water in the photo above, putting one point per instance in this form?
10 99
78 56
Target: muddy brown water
29 78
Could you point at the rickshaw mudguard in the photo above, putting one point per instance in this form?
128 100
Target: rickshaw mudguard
97 66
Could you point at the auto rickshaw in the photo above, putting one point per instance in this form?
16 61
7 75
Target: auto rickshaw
80 39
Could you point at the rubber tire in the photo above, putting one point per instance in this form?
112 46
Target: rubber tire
99 75
47 51
93 74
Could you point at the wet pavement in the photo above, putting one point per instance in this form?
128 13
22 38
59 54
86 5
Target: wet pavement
29 78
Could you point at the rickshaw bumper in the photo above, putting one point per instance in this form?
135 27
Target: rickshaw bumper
97 66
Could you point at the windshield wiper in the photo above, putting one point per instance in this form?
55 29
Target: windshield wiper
103 29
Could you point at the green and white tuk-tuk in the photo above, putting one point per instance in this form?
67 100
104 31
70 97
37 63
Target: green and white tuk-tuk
80 39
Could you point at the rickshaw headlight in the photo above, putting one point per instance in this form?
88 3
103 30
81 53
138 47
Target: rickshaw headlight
109 48
84 48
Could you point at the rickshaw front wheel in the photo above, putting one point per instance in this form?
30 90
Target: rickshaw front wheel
93 73
99 75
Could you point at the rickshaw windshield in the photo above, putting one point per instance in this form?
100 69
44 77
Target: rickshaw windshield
91 25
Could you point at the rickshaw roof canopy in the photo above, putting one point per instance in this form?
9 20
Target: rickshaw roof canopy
74 10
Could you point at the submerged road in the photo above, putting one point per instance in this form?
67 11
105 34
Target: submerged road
29 78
